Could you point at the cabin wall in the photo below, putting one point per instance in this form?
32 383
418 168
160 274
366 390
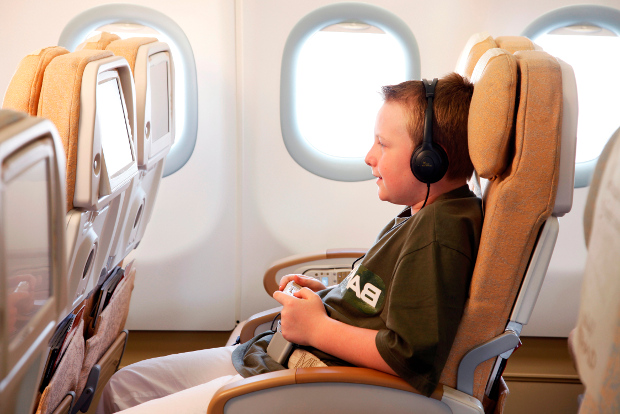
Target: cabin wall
241 202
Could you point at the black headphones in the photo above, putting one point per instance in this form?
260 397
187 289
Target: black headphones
429 162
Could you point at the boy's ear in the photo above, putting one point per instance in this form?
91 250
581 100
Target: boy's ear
429 162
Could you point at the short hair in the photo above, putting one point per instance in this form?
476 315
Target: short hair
450 114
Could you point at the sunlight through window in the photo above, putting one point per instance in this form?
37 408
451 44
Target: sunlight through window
594 54
340 72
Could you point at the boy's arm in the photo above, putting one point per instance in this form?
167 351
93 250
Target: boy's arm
305 322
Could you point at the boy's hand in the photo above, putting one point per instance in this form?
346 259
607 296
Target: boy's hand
305 281
302 315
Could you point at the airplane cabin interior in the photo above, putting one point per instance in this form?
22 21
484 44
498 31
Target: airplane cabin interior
236 131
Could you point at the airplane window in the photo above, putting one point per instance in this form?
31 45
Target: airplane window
589 42
127 20
350 62
335 61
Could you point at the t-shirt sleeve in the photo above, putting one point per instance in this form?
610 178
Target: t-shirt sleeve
423 309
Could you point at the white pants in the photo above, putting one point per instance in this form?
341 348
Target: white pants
181 383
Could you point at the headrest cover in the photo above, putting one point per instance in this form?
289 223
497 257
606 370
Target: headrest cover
514 43
128 48
491 112
476 46
97 42
25 87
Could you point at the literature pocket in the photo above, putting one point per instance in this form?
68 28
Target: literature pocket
67 374
109 325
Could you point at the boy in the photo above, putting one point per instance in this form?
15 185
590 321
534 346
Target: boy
398 310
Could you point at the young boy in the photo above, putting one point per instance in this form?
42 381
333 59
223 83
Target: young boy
398 310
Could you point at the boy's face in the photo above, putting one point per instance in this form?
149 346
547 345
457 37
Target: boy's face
390 155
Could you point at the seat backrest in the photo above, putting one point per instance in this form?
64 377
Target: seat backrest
90 96
153 70
596 341
514 142
32 256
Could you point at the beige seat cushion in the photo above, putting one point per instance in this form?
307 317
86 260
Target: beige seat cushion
476 46
492 112
514 43
25 86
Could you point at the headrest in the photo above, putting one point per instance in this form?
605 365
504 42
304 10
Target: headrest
60 102
25 87
128 48
513 44
97 42
492 111
476 46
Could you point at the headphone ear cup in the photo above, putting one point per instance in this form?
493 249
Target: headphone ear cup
429 163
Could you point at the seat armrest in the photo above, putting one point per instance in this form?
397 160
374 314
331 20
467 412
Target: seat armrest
269 280
350 375
249 328
490 349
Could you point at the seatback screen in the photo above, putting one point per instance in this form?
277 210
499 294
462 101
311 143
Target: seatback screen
160 123
26 231
113 126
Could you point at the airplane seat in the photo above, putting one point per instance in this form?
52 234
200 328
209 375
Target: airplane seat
524 197
97 42
520 117
32 255
153 70
90 96
596 338
476 46
24 89
514 44
150 63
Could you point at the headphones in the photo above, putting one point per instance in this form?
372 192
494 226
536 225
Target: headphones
429 162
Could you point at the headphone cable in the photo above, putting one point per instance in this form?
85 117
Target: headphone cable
428 191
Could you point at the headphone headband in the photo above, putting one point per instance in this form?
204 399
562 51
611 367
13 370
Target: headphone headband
428 119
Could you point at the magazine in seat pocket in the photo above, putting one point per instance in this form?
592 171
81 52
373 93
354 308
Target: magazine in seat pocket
108 324
67 373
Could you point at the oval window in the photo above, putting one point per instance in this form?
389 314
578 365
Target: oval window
335 61
340 71
127 20
586 37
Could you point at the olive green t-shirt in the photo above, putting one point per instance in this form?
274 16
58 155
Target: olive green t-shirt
411 287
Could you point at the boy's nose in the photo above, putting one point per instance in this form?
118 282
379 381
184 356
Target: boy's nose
370 159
